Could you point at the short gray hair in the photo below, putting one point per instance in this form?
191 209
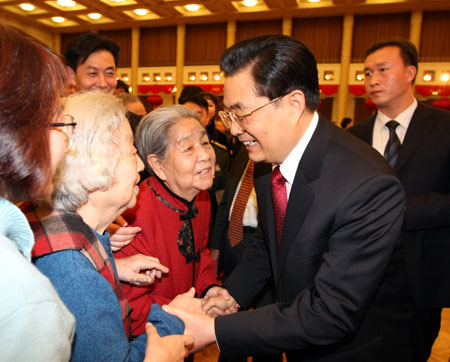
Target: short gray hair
92 155
152 135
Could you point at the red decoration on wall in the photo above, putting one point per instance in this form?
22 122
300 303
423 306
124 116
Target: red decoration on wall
443 103
329 89
154 100
156 88
209 88
357 90
428 90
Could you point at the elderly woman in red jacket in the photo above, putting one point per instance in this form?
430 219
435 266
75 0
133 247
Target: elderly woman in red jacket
173 209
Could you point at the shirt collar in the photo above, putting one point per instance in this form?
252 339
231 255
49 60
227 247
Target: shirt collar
288 167
403 118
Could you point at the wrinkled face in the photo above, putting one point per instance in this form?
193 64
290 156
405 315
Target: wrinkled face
122 194
388 81
190 161
200 111
211 108
269 134
98 72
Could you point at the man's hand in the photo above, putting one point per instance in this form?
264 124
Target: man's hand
173 348
188 302
121 234
200 326
129 269
218 301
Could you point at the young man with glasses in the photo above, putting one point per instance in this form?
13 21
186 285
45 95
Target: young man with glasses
331 219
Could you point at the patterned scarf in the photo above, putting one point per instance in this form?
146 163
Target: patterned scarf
57 230
185 240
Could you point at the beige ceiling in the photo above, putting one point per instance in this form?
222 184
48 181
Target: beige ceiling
120 15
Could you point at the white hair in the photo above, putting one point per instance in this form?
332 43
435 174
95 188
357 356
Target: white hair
93 150
152 135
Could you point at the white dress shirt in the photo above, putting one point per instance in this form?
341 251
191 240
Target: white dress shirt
381 132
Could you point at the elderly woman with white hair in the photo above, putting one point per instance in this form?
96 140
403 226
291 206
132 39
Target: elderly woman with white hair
173 208
97 182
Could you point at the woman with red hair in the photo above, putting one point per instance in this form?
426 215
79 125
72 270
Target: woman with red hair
34 324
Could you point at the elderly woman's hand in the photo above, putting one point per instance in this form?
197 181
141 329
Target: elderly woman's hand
121 233
130 269
188 302
173 348
218 302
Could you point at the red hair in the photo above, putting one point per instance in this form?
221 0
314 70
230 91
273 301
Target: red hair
32 80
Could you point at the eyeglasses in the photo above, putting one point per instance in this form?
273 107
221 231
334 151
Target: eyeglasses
69 124
231 117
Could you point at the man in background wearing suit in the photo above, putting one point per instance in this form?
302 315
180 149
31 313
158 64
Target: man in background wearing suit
422 163
331 216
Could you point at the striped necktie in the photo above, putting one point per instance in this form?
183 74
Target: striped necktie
235 226
393 144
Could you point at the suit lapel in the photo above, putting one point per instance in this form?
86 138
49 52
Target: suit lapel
302 196
365 130
421 124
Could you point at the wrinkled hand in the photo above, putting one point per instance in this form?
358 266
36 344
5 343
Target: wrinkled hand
121 233
174 348
188 302
218 302
139 269
200 326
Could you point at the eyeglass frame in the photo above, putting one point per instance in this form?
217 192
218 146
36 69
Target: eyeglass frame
72 124
236 118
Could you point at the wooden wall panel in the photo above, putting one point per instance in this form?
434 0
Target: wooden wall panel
158 46
205 43
370 29
249 29
323 36
66 39
123 39
435 38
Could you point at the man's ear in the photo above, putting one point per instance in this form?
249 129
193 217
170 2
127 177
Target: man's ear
70 74
297 103
156 166
412 72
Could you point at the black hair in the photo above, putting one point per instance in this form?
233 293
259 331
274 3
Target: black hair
198 99
189 91
123 85
345 122
280 64
79 49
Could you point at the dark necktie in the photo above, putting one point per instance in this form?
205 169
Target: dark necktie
393 144
279 200
235 225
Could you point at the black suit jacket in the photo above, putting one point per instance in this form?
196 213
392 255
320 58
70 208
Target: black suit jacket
339 275
228 256
423 167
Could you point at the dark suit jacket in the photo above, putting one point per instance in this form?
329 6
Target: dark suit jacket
423 167
228 256
339 276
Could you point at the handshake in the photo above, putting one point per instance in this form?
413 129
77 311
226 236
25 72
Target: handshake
216 302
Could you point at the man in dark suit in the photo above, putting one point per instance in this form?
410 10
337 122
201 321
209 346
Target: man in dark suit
228 253
423 167
336 259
